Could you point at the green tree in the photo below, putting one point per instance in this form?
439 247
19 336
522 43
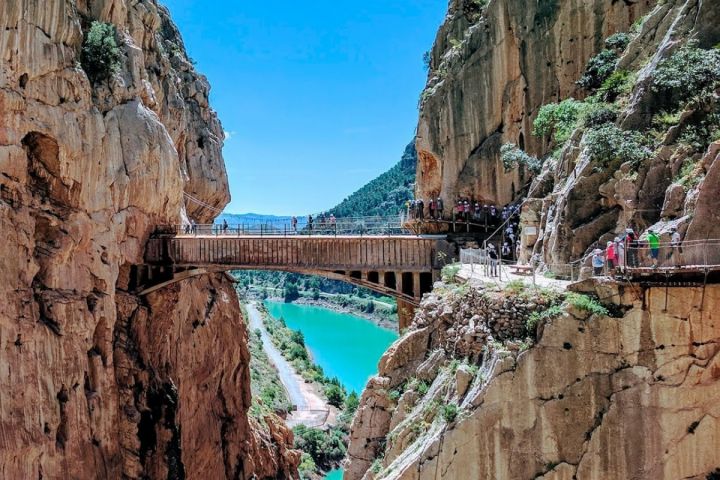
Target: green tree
291 292
335 395
100 57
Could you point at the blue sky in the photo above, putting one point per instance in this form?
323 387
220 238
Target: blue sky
318 96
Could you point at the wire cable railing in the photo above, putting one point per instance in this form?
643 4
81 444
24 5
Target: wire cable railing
355 226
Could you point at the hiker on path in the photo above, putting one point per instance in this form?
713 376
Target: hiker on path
654 242
675 246
597 262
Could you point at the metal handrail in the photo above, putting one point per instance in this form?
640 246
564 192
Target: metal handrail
343 226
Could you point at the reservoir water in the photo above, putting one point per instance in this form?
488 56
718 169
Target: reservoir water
344 345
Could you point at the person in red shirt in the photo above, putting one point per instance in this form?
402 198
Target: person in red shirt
611 256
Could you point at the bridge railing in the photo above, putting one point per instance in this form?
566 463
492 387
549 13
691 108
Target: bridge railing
668 257
341 226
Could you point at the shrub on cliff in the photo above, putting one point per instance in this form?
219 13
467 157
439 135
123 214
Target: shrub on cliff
512 157
100 56
598 69
689 73
559 119
609 143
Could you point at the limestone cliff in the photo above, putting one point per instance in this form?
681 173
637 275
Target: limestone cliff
632 395
96 382
492 66
474 389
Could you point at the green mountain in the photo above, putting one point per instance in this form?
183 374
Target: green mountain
385 195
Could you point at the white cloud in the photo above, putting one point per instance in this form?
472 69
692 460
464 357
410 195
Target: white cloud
229 135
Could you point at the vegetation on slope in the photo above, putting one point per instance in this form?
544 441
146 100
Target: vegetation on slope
268 393
385 195
293 286
323 449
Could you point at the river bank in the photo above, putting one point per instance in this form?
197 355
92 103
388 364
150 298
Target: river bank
310 408
380 321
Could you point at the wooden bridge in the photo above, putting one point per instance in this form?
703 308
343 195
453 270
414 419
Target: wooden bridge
403 266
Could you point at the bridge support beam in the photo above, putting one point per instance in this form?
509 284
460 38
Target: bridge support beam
406 313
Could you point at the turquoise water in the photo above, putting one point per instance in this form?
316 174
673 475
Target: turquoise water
334 475
344 345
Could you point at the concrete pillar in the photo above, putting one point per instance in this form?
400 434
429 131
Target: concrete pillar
398 282
406 313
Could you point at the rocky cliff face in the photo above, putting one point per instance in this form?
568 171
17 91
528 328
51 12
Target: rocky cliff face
580 201
96 382
475 391
625 396
491 69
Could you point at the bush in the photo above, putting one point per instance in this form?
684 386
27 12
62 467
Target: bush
516 286
513 157
615 85
449 412
100 57
701 134
599 116
449 272
335 395
307 465
618 41
609 143
598 69
587 304
689 72
290 293
559 119
325 447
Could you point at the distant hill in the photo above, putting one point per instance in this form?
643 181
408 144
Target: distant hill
385 195
249 218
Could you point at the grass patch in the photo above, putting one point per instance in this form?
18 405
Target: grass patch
449 412
586 303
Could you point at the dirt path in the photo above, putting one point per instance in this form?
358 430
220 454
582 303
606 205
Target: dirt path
311 407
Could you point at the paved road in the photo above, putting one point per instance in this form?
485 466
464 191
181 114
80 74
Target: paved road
285 370
312 410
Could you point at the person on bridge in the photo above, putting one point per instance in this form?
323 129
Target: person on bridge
675 246
420 209
310 222
431 208
631 247
293 223
597 262
333 222
439 208
620 252
225 226
654 243
610 256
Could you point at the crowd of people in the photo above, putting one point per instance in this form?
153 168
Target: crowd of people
464 210
626 251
